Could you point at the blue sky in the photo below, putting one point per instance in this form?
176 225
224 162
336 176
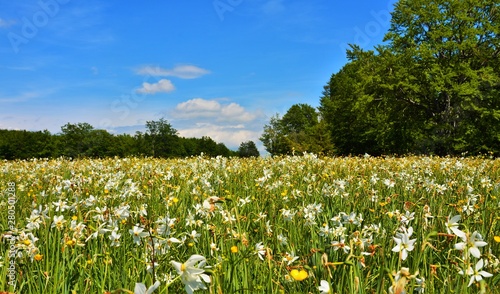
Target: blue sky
219 68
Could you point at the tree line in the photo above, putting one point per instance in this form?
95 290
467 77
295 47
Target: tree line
83 140
432 87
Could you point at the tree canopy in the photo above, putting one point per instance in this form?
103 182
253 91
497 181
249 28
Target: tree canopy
432 87
82 140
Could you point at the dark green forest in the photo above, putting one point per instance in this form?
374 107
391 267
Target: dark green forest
82 140
432 87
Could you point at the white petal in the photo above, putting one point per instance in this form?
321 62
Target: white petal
177 266
205 278
485 274
140 288
153 287
475 252
480 243
460 246
479 265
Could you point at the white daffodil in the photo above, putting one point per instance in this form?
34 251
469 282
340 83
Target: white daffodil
137 233
452 226
58 222
324 287
476 273
140 288
260 250
472 243
403 243
192 273
115 238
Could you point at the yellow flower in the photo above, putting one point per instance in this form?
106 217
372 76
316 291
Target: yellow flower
27 242
497 239
70 242
38 257
234 249
298 275
74 217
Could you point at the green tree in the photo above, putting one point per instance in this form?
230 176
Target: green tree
248 149
75 139
432 88
299 130
162 139
274 137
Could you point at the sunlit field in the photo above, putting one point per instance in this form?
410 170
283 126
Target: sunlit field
302 224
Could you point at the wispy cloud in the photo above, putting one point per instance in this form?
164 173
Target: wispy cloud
180 71
25 96
273 7
6 23
162 85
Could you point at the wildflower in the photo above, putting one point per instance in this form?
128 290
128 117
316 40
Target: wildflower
115 238
282 239
244 201
389 183
192 273
400 280
290 258
420 288
288 214
60 205
138 233
58 222
234 249
476 273
341 245
403 243
213 248
324 287
140 288
260 250
298 275
194 235
407 217
472 243
497 239
38 257
452 226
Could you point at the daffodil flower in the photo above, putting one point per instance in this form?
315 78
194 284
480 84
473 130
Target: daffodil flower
137 233
140 288
472 242
324 287
403 243
452 226
192 273
476 273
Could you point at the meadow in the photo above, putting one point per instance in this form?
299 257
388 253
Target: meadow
294 224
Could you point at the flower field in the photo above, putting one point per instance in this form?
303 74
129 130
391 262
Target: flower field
298 224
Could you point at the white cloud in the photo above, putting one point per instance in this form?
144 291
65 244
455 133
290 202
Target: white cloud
232 136
201 108
163 85
180 71
223 121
